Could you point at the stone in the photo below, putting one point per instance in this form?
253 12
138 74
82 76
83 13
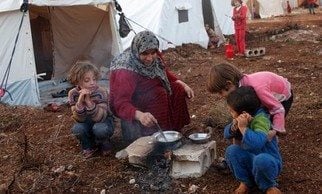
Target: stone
193 160
255 52
59 169
140 149
121 154
132 181
103 191
70 167
3 189
193 188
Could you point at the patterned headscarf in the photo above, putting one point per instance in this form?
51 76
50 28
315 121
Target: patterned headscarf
130 59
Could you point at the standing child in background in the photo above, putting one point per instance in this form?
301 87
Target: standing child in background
239 18
274 91
90 109
311 4
256 161
288 7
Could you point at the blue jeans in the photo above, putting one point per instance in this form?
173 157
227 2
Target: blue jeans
261 170
91 134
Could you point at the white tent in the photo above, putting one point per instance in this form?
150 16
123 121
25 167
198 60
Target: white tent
53 35
266 8
224 12
176 21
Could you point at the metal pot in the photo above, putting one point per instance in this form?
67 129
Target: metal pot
173 139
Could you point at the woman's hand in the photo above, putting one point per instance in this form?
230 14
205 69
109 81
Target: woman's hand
243 120
145 118
187 89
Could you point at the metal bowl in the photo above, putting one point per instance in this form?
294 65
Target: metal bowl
172 142
199 138
171 136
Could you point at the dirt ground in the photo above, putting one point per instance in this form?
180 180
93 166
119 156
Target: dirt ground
38 154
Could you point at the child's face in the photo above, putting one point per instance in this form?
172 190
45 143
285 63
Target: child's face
232 112
88 82
237 3
224 92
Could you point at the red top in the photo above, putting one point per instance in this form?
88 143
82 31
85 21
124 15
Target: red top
130 91
239 17
311 1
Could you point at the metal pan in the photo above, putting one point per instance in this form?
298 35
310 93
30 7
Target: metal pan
199 138
173 139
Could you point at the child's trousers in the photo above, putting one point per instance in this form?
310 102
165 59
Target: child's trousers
91 134
261 170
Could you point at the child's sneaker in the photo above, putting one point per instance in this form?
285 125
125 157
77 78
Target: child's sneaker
88 153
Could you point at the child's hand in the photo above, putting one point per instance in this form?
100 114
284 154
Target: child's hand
85 97
271 134
243 120
81 98
88 101
234 126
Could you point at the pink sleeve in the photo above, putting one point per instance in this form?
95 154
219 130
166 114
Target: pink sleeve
122 86
274 107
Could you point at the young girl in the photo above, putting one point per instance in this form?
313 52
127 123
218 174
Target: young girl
88 101
239 18
274 91
256 161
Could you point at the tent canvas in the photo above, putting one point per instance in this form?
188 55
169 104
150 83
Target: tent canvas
304 2
265 8
224 12
84 29
175 21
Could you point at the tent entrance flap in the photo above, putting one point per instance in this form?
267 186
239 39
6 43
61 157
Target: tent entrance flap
208 16
54 35
63 35
42 40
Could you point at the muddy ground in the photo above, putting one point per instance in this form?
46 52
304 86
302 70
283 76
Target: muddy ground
38 154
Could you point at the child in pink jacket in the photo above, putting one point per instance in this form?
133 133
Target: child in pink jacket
274 91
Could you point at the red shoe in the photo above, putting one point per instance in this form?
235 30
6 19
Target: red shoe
88 153
52 107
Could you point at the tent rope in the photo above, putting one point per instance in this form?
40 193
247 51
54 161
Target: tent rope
4 82
119 8
169 42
